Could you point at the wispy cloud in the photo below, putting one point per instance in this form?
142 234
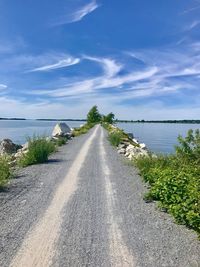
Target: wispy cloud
3 86
193 25
191 9
85 10
60 64
110 66
164 72
109 79
79 14
27 63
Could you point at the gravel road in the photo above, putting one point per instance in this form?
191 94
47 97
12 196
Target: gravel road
85 208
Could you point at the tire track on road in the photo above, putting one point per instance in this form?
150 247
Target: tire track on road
119 253
39 245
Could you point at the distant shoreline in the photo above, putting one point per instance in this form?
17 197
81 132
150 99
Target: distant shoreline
117 121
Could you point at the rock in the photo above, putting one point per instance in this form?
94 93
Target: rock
8 147
122 146
135 141
130 135
61 129
143 146
122 151
130 157
25 146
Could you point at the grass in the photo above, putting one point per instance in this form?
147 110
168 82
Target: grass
5 171
61 141
175 180
82 130
39 150
117 136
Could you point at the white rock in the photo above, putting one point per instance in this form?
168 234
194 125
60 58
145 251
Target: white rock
61 129
142 145
130 157
122 146
25 146
8 147
135 141
122 151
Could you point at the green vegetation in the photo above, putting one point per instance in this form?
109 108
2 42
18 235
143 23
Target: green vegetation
175 180
60 141
116 135
93 118
5 172
83 129
93 115
108 118
39 150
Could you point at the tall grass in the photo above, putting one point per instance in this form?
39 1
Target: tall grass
175 180
39 150
4 171
115 137
83 130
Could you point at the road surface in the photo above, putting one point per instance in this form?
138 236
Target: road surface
85 208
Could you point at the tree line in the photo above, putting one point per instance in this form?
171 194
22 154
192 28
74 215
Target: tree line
94 116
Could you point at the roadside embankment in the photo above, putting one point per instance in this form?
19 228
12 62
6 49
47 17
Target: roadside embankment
36 150
173 180
126 144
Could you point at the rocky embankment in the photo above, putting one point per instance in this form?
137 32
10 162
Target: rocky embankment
15 151
130 147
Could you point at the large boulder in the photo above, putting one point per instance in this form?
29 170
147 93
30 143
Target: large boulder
8 147
61 129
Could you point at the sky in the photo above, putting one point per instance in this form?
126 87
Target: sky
137 58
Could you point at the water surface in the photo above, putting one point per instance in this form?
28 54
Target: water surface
18 131
159 137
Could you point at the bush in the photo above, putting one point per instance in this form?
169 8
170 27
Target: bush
4 171
82 130
61 141
115 137
39 150
175 181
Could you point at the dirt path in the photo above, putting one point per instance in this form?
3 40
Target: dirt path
85 208
40 243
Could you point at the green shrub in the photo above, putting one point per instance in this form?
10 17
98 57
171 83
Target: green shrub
39 150
4 171
175 180
83 130
115 137
61 141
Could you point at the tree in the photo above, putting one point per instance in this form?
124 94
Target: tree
109 118
93 115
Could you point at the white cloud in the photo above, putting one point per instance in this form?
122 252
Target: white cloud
60 64
109 79
80 109
193 25
3 86
190 9
24 63
79 14
85 10
110 66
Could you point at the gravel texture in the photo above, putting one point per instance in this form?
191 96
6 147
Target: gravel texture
105 222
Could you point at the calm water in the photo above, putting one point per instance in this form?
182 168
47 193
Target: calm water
18 131
159 137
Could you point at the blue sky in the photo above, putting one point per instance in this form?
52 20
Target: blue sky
137 58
